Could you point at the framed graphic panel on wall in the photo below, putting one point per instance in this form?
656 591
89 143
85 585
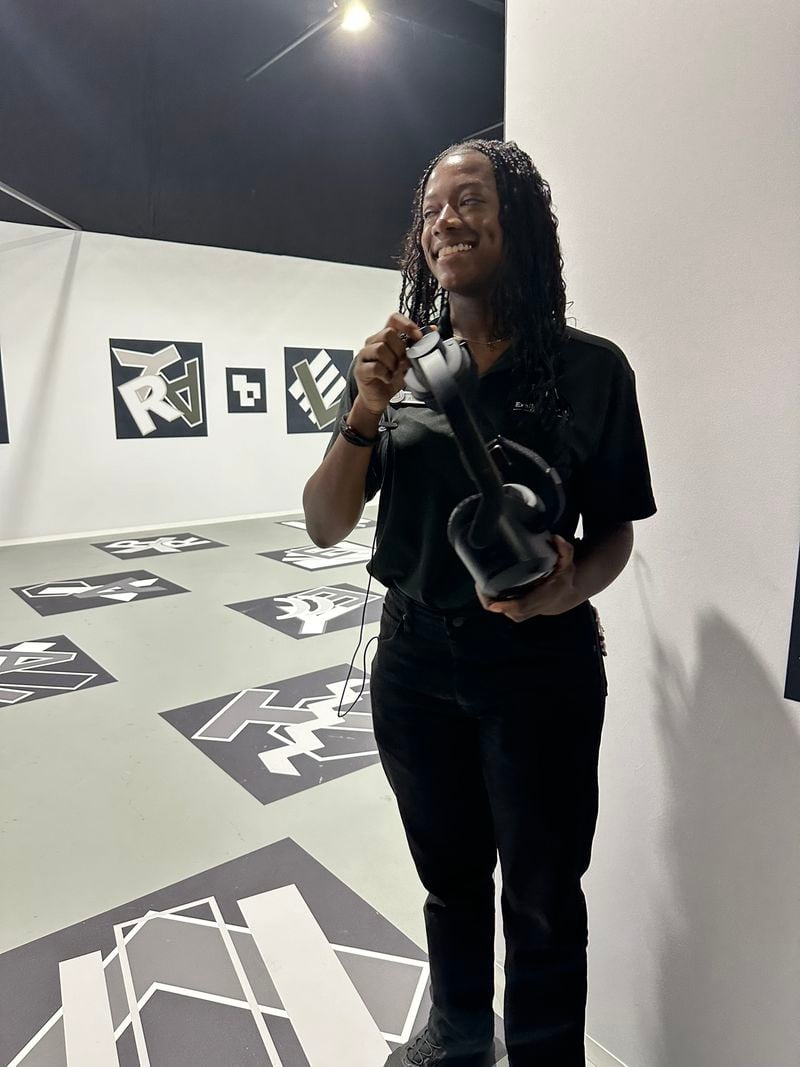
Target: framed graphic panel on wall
159 388
247 390
3 411
315 381
793 669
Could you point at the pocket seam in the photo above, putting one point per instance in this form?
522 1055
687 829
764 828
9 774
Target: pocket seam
396 620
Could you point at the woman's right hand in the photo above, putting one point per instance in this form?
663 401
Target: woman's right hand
381 364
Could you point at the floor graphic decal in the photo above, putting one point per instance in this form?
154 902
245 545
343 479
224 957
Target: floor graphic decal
268 960
311 558
284 737
168 545
32 670
96 591
300 524
313 611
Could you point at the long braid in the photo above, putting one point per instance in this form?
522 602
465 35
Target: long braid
529 300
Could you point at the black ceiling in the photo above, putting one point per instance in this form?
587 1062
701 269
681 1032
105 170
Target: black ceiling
134 117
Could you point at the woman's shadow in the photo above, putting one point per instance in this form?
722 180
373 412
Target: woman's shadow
730 902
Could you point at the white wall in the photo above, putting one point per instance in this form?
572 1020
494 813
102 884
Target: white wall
668 133
63 295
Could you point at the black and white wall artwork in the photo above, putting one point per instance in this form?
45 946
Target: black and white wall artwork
268 960
96 591
315 381
312 612
155 545
247 390
46 667
159 388
4 439
311 558
287 736
792 691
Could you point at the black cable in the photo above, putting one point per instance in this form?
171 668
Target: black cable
387 426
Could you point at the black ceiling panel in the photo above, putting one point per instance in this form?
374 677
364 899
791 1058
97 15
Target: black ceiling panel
134 117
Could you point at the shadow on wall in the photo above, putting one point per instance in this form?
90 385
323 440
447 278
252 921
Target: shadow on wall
730 953
36 239
43 398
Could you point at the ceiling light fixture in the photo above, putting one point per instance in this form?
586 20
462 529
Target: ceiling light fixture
356 17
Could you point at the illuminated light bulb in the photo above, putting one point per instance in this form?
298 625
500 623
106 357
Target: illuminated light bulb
356 17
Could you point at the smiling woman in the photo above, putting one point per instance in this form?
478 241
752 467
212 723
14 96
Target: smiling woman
488 194
488 714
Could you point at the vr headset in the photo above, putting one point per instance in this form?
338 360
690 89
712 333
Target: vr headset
501 534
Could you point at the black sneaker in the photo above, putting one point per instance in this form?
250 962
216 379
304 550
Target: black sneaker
423 1051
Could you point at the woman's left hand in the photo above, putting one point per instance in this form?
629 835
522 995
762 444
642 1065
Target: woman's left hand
552 595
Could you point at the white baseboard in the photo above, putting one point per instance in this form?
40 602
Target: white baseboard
600 1056
160 526
143 529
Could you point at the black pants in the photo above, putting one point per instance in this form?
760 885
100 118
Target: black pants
489 734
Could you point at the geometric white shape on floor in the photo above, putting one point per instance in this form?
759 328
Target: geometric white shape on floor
329 1017
88 1029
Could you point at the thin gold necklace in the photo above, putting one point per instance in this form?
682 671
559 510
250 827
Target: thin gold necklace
490 344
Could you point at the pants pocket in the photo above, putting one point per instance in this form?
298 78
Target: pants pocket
392 622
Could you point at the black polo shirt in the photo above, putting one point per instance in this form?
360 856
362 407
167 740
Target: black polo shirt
600 455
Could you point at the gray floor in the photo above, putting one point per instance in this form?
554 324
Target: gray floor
103 801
